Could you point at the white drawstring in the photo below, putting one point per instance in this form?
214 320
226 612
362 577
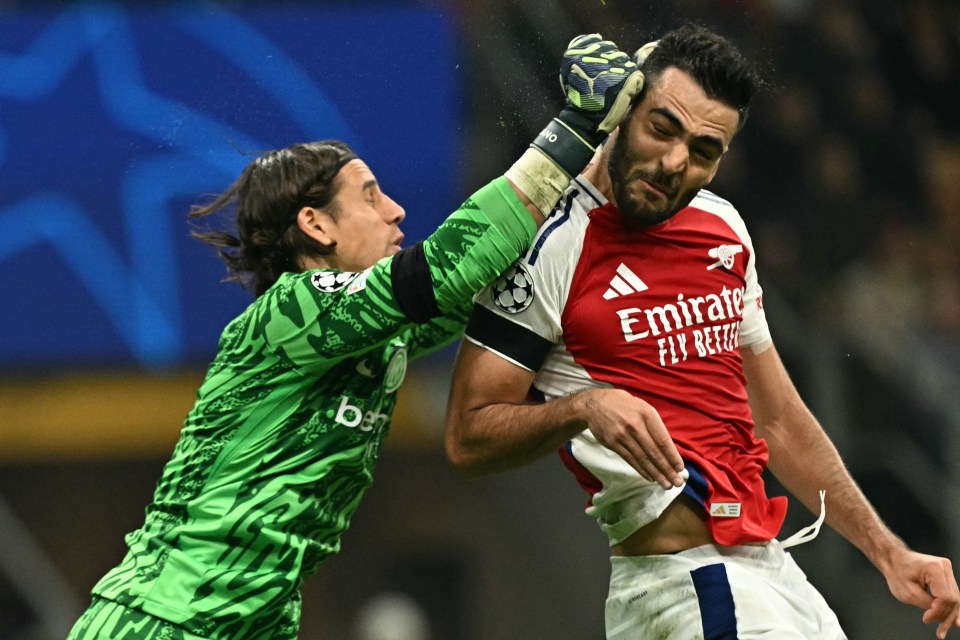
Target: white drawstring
810 532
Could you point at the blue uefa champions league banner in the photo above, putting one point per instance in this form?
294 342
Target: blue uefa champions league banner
114 118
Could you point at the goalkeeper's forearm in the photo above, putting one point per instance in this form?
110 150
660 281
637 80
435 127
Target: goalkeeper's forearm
542 173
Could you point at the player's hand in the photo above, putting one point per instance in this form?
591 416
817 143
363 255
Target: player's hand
927 582
599 81
633 429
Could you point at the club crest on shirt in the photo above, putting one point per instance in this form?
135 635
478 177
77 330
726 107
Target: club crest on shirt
724 254
330 281
396 370
513 290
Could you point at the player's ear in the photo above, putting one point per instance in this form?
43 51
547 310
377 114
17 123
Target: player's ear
317 224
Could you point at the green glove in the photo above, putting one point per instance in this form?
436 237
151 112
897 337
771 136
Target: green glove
599 81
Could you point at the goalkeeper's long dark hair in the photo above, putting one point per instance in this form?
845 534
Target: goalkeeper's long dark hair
713 61
264 203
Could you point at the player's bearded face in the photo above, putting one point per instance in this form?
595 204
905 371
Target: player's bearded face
645 194
668 147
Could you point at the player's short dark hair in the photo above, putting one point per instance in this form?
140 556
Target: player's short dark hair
713 61
264 201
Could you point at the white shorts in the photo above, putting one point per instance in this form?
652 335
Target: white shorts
716 593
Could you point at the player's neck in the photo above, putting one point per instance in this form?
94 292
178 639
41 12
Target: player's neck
596 174
307 263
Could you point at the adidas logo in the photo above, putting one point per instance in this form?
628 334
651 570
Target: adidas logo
624 283
725 509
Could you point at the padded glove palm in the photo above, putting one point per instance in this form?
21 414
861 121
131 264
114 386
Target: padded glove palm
598 81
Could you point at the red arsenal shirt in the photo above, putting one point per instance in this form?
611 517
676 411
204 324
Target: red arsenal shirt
663 313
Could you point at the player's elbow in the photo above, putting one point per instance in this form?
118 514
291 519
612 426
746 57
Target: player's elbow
457 454
461 455
458 458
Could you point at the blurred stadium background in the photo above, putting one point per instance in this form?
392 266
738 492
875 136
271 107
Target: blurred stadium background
115 116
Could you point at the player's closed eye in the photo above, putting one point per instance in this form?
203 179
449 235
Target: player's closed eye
706 154
662 130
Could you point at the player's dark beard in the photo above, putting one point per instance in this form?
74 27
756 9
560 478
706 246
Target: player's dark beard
634 209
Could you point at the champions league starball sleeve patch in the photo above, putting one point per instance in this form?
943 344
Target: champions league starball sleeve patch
513 290
330 281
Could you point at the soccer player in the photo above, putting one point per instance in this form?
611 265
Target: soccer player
631 336
281 444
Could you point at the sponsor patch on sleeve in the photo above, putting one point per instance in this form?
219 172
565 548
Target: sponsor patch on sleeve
359 283
513 290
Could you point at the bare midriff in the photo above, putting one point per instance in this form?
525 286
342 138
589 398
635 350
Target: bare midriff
682 525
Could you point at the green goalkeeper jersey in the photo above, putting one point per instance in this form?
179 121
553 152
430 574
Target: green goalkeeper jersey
282 441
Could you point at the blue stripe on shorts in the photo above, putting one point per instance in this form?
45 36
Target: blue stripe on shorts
716 602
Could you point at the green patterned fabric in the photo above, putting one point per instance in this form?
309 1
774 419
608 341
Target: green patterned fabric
106 620
281 444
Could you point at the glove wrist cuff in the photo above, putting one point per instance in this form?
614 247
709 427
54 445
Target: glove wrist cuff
565 145
585 125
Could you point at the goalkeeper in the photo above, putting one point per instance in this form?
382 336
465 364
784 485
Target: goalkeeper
282 441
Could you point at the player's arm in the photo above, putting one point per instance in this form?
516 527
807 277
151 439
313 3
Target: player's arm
425 338
805 461
599 82
490 427
479 240
433 282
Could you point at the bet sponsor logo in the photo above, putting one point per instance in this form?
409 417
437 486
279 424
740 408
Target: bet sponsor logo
354 417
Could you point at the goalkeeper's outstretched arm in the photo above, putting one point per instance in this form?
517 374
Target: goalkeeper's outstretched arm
599 82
